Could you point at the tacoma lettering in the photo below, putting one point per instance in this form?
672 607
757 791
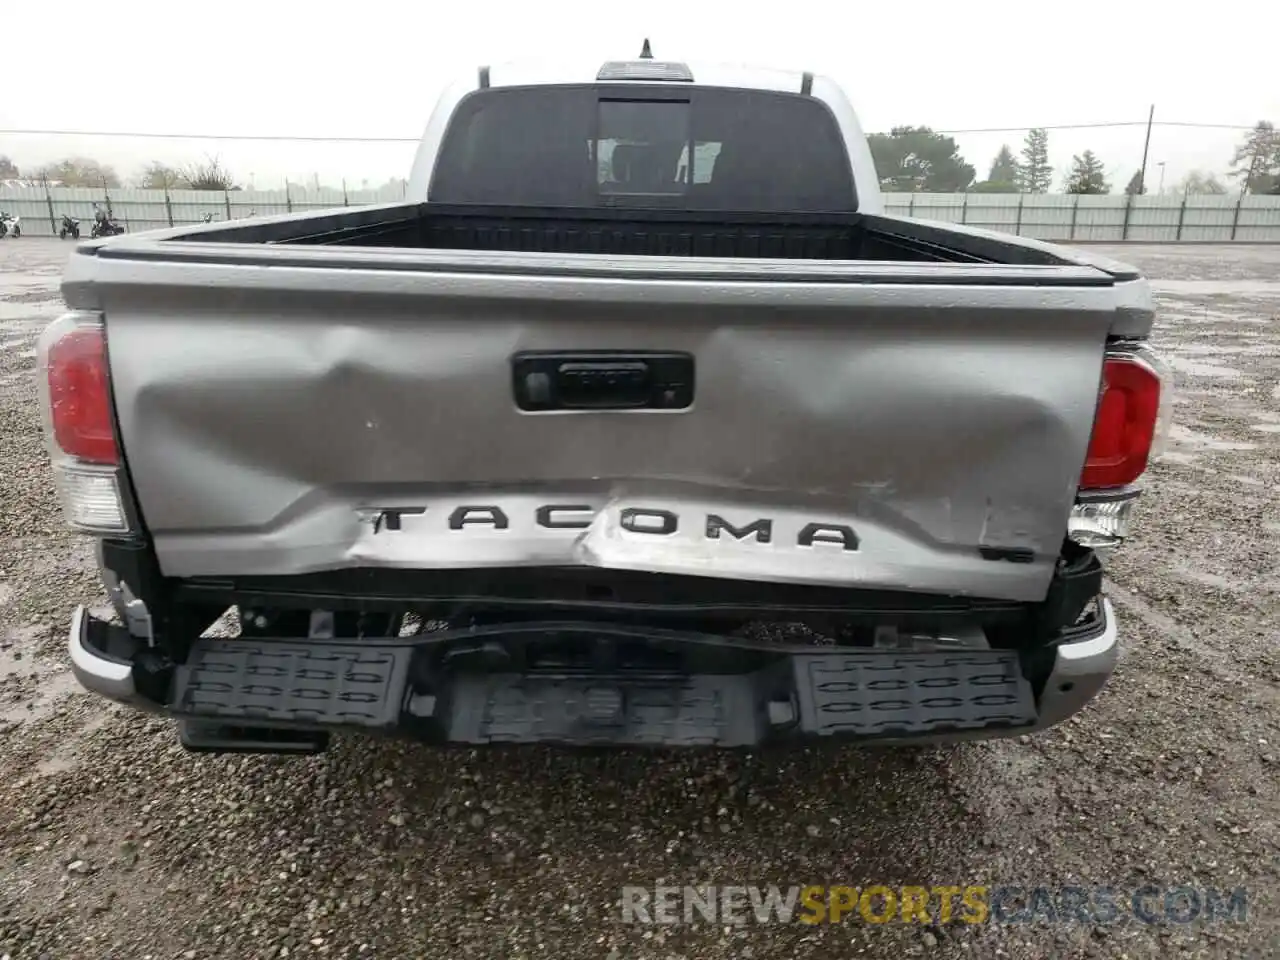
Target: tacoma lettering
763 529
828 533
638 520
552 517
643 520
389 517
477 516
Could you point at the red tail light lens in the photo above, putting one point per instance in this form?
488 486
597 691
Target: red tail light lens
1124 425
80 396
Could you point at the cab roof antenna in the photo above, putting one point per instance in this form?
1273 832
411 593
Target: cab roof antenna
645 52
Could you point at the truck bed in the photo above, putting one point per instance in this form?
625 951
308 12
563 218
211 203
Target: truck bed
626 232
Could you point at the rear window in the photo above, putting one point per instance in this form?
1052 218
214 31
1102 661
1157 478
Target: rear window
711 149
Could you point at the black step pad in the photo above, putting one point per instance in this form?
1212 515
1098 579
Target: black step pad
877 694
293 682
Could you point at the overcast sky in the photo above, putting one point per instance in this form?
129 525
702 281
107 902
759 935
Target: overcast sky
374 68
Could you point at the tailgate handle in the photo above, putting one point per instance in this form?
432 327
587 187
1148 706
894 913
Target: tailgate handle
603 381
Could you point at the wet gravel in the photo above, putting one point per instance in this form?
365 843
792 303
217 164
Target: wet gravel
115 843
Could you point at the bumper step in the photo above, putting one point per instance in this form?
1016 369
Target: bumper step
294 683
233 693
877 694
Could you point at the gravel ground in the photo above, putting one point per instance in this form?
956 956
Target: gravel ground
115 843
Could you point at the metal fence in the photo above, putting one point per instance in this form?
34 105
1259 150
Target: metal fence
1110 218
42 209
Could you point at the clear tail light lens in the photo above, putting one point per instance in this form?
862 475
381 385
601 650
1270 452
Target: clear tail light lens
1102 520
91 498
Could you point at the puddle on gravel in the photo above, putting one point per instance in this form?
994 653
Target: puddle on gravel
16 664
1205 578
54 764
1218 288
54 686
1206 350
66 756
53 683
1185 436
1267 427
26 311
1189 311
1201 368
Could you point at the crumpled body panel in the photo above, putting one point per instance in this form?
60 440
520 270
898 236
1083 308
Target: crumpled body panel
920 437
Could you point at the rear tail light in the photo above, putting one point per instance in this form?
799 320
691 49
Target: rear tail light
79 424
1125 425
80 395
1130 428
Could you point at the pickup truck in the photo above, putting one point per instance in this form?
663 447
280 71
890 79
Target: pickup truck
637 422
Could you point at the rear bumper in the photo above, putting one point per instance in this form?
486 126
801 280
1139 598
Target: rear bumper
98 665
404 687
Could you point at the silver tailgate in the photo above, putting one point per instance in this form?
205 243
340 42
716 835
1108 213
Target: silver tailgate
271 415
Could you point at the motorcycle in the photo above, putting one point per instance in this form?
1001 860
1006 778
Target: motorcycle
70 228
10 224
104 226
208 218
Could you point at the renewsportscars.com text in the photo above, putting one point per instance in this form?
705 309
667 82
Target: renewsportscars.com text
972 903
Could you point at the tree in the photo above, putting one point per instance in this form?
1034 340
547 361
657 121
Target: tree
1198 183
916 158
210 175
1135 185
8 170
1003 177
1256 162
158 176
1004 168
79 172
1088 175
1035 174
